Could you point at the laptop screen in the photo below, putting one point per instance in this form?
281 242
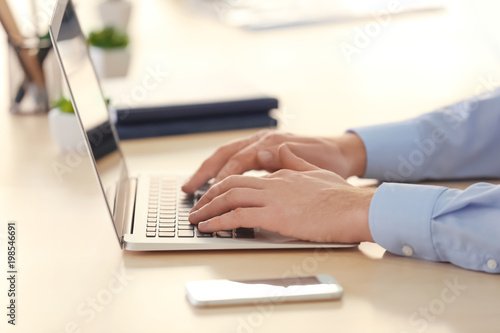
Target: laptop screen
102 143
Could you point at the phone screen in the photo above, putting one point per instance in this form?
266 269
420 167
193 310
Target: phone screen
220 292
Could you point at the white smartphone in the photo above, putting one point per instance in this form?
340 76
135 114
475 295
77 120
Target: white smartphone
221 292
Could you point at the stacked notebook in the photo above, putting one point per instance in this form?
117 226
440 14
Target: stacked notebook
185 102
176 119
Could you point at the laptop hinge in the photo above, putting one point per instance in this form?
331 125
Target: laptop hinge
128 219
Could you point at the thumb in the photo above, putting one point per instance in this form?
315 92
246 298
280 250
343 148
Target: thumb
291 161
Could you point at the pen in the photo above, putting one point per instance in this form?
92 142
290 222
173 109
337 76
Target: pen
41 55
28 61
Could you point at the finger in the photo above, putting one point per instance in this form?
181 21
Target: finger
211 166
269 158
242 161
251 158
247 159
232 199
239 218
290 161
235 181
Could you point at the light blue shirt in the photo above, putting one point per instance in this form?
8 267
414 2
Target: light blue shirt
433 222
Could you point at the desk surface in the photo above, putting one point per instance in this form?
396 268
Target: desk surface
73 276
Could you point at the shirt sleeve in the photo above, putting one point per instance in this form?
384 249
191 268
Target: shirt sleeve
458 141
439 224
432 222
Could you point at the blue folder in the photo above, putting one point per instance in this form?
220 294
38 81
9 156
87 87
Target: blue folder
191 111
147 122
195 125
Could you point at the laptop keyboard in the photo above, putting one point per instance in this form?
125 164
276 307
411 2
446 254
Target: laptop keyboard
168 212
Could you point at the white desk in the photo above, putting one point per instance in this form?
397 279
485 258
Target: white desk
68 255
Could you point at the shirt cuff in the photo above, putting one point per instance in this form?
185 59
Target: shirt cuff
390 151
400 219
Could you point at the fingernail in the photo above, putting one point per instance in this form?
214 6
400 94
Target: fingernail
265 156
202 225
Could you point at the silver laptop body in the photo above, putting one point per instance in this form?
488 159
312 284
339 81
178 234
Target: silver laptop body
148 212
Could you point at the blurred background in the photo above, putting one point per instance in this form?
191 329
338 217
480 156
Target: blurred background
322 55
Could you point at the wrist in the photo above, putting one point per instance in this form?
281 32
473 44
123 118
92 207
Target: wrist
354 150
363 213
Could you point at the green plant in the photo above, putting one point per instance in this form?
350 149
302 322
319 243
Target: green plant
65 105
108 38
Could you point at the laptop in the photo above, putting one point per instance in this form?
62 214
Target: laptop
148 212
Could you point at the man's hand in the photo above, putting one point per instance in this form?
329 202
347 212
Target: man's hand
300 201
345 155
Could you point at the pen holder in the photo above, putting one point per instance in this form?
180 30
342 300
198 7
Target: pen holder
29 93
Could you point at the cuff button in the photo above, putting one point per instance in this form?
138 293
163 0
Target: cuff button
407 250
492 264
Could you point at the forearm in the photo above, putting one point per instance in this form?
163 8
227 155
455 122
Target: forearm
460 141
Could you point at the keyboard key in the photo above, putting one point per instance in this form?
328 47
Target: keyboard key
185 233
183 219
203 234
151 220
150 234
244 233
170 206
172 229
150 229
151 225
181 222
224 234
168 192
186 227
162 220
167 216
167 224
166 233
